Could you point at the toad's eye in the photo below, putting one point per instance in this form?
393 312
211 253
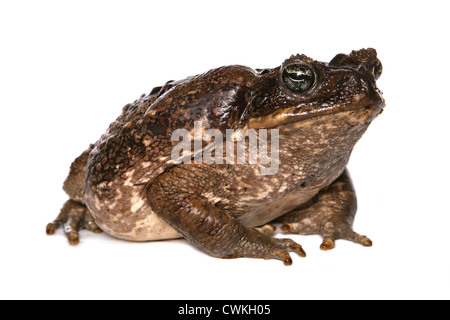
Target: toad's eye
298 77
377 69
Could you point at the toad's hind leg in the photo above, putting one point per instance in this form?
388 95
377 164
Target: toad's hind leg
330 215
178 198
74 215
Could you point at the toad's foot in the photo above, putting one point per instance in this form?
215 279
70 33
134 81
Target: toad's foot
255 244
330 215
329 228
282 246
74 216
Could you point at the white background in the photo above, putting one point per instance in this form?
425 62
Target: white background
68 67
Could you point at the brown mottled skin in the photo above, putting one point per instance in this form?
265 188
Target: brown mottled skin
126 184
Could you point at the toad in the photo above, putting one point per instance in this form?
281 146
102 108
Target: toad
310 114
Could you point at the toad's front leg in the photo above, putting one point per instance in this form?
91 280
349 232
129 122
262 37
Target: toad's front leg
330 215
176 197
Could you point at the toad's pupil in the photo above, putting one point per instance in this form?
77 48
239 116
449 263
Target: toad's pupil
298 76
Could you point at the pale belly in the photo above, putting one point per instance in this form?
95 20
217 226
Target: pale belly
127 215
139 223
266 212
148 228
151 227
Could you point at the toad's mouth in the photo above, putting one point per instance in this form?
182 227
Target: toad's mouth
302 113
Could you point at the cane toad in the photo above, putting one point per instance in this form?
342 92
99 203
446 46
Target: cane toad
130 185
